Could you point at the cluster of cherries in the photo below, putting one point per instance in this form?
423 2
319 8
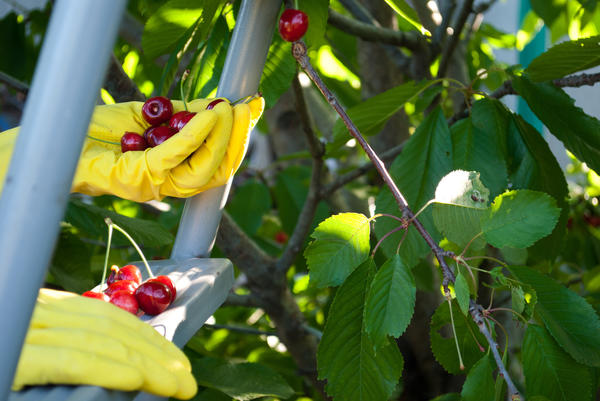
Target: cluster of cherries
158 112
126 290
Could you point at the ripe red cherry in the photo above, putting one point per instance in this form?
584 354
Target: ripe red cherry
125 300
98 295
281 237
212 104
157 135
157 110
153 296
292 24
180 119
132 141
130 272
121 285
167 281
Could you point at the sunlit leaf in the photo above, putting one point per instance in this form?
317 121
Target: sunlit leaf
341 243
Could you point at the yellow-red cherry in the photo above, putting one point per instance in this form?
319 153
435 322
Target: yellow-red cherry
292 24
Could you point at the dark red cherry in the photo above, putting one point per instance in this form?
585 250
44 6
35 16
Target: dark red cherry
98 295
180 119
132 141
125 300
121 285
212 104
157 135
130 272
167 281
292 24
157 110
153 296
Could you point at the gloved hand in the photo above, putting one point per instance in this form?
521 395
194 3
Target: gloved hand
84 341
203 155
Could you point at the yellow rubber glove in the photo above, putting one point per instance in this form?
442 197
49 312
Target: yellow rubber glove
203 155
84 341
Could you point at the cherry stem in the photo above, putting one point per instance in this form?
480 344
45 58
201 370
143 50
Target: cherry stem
401 240
462 365
110 231
135 245
509 310
384 237
469 244
375 216
486 257
103 141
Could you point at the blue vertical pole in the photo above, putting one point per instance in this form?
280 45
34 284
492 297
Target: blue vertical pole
241 74
531 51
66 84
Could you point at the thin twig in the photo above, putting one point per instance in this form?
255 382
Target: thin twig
238 329
476 312
449 48
372 33
572 81
14 83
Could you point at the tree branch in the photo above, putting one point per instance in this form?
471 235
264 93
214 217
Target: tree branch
572 81
369 32
449 48
119 85
304 222
14 83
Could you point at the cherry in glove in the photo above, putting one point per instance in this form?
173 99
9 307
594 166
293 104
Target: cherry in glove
203 155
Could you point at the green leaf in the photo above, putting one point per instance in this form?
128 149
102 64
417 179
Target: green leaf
279 71
568 317
426 158
565 58
318 12
519 218
579 131
479 144
170 22
341 244
90 219
241 381
345 356
290 192
402 8
479 384
70 264
533 166
390 302
444 347
461 289
371 115
248 204
461 200
549 371
209 62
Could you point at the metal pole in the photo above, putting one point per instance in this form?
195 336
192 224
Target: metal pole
241 75
65 86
